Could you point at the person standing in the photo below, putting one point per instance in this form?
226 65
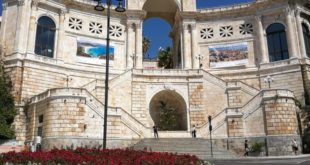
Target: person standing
155 129
294 146
246 148
194 131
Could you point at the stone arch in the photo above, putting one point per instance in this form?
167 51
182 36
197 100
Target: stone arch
166 10
173 100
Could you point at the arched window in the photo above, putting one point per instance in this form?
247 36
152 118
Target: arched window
45 37
277 42
306 32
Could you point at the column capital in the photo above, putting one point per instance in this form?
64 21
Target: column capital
288 11
20 2
4 6
34 4
258 18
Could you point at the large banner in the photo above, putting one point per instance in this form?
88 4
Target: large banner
228 55
93 48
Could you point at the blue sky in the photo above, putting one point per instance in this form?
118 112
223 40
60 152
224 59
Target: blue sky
157 30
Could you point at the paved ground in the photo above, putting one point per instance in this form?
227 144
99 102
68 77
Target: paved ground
292 160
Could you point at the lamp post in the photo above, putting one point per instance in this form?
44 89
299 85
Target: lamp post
119 8
268 80
210 130
200 57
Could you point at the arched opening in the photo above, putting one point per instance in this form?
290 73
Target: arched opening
277 42
161 13
168 111
158 37
45 37
306 33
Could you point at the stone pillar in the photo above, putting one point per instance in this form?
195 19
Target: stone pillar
194 47
186 40
130 45
301 39
291 37
139 49
3 30
32 28
262 40
20 37
61 35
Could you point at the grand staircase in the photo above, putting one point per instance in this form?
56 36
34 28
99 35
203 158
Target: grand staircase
193 146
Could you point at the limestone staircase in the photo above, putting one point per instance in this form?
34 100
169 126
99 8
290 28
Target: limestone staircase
192 146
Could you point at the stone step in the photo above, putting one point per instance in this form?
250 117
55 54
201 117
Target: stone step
192 146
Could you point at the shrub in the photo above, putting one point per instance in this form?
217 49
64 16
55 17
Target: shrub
257 147
98 157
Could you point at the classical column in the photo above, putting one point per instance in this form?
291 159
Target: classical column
3 29
130 45
186 40
19 44
32 28
194 47
61 33
300 35
291 38
262 40
139 49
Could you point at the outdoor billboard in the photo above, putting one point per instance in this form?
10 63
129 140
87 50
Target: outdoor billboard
228 55
93 48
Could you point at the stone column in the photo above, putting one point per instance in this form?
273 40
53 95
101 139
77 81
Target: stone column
301 39
20 37
262 40
3 30
186 40
61 35
139 49
194 47
130 45
32 28
291 37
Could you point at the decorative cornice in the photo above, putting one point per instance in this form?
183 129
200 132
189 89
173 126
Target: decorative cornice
136 14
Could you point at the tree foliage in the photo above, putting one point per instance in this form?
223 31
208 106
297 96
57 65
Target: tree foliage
165 58
167 116
7 107
146 43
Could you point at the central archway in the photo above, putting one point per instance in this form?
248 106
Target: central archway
177 106
166 10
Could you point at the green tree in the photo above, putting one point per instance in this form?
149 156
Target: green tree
165 58
7 107
167 117
146 43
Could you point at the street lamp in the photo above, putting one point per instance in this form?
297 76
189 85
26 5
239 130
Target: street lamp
268 80
200 57
119 8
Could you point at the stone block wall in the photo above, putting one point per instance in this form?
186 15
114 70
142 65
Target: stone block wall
138 97
234 97
281 116
235 127
198 114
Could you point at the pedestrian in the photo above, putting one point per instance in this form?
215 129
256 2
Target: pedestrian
194 131
155 129
246 148
294 146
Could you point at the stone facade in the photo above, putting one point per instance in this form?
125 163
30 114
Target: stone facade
60 94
